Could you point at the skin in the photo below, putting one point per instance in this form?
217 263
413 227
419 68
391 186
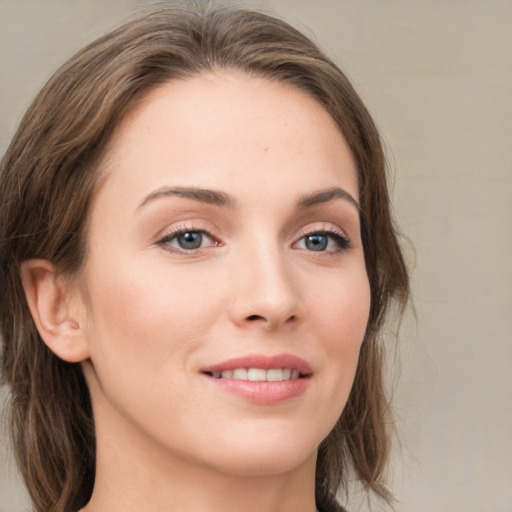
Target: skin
146 315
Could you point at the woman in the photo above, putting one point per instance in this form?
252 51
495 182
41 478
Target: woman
197 256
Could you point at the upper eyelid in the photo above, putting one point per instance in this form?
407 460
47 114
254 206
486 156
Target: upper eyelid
339 235
183 227
325 227
173 234
320 227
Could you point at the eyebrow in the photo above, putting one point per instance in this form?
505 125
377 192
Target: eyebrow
202 195
219 198
324 196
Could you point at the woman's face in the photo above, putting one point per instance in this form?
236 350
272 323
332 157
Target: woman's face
224 246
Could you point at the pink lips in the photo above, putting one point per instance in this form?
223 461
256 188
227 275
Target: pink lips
263 392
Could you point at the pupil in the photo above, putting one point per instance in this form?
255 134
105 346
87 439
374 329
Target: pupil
316 242
190 240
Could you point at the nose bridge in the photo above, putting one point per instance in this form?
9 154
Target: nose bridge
266 292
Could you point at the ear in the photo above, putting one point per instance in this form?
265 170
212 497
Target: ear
56 309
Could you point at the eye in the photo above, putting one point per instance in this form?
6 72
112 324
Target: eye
187 240
323 241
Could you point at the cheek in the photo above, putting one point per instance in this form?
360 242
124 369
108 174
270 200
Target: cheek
147 317
341 308
341 315
145 327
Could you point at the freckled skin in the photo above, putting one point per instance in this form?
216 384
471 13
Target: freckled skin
155 316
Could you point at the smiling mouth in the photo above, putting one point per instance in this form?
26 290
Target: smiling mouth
262 379
258 374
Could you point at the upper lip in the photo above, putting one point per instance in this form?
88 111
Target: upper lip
264 362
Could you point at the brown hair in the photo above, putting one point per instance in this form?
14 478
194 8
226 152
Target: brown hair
50 173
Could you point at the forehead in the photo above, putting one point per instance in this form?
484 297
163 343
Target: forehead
228 128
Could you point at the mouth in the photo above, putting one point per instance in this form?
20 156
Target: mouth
260 368
258 374
262 379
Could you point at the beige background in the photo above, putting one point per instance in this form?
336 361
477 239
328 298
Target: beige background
437 76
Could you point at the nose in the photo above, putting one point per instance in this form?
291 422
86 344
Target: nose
265 291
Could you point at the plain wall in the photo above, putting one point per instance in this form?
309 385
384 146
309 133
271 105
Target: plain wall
437 76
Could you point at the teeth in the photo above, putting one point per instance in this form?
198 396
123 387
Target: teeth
258 374
240 373
275 375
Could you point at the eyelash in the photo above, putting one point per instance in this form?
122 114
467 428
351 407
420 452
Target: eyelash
181 230
341 241
339 238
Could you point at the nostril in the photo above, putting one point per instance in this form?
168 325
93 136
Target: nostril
259 318
252 318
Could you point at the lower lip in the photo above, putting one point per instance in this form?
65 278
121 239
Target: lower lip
263 392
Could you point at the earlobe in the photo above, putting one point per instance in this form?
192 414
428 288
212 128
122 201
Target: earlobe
53 304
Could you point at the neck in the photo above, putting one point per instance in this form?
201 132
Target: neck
134 474
133 487
199 491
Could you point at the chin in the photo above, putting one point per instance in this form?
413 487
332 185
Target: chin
264 453
263 463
